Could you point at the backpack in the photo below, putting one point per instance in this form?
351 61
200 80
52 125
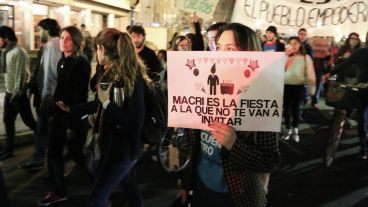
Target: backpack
155 122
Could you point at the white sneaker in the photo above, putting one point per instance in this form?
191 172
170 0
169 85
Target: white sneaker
295 134
287 135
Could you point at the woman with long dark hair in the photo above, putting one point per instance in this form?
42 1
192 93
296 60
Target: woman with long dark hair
73 72
237 172
299 70
120 111
351 44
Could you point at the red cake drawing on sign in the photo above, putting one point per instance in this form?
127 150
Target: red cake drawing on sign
227 88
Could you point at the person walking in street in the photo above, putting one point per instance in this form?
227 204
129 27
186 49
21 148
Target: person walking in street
46 79
120 117
72 89
15 63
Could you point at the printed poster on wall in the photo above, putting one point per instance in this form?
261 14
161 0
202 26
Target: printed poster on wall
241 89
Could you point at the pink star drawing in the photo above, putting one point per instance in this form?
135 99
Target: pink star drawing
190 63
253 65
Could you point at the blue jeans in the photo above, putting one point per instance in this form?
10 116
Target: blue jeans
203 196
112 175
41 138
319 88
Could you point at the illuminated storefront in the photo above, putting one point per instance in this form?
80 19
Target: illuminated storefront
96 15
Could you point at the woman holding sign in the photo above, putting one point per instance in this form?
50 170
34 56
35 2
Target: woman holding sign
231 168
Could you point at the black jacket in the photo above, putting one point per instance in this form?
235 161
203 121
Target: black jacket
73 73
121 127
358 58
151 61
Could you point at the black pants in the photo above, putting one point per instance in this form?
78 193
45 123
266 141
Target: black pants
22 106
59 124
293 95
202 196
362 118
130 186
4 200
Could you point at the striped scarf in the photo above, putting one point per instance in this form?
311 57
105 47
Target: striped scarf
100 121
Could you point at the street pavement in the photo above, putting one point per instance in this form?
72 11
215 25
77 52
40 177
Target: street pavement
301 179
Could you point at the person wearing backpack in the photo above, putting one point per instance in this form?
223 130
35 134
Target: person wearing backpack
120 109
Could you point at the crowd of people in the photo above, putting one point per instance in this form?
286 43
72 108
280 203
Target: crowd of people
235 174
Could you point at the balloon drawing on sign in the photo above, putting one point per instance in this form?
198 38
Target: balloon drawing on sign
247 73
196 72
213 80
253 65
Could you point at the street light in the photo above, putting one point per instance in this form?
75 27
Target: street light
133 4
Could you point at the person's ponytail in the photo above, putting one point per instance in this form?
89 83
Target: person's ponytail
128 64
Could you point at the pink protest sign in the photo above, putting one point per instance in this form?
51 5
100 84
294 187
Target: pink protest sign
241 89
